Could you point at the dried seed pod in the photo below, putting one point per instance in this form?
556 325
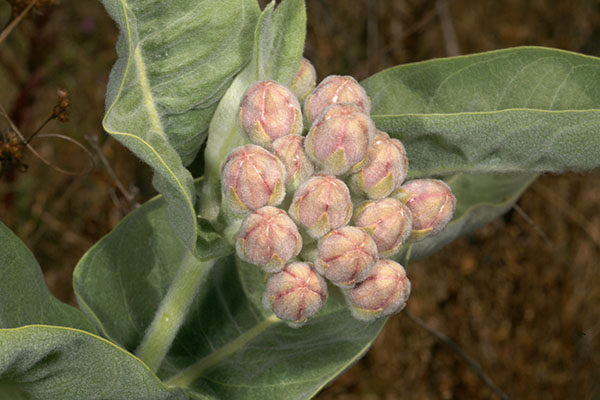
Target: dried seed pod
251 178
321 204
335 89
385 169
384 292
305 80
431 204
388 221
269 238
338 141
298 167
346 256
269 111
296 293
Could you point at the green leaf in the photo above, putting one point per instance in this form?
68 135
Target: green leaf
24 296
62 363
121 280
278 47
516 110
488 123
236 349
176 59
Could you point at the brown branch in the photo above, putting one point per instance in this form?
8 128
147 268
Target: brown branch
450 343
447 26
4 34
93 141
535 226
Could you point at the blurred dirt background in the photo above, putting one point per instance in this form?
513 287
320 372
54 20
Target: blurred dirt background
521 296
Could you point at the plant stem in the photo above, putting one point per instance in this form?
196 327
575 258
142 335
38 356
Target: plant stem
172 311
4 34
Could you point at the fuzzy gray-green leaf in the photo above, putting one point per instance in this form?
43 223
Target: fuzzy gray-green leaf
57 363
24 296
488 123
176 59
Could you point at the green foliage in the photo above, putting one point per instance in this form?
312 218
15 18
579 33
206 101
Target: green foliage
176 59
57 363
488 123
24 296
120 281
523 109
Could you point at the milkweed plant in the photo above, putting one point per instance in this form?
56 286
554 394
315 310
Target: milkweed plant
272 273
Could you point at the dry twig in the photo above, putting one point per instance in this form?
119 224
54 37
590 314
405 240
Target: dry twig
472 363
4 34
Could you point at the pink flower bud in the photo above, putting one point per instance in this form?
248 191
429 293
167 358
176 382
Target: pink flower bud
431 204
387 221
269 111
305 80
298 167
269 238
296 293
338 141
385 169
346 256
335 89
321 204
384 292
251 178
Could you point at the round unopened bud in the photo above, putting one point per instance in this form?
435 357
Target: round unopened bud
296 293
269 238
387 221
298 167
269 111
384 292
346 256
251 178
385 169
305 80
338 141
431 204
335 89
321 204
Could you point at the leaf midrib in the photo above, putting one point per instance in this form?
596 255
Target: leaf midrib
147 92
154 117
186 376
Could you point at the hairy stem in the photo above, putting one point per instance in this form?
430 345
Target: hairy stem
172 311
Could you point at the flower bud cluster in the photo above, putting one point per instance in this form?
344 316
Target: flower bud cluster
344 208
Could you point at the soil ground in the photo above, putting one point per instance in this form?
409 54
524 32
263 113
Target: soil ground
521 296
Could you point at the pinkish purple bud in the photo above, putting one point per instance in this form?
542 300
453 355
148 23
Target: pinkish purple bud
385 169
346 256
387 221
305 80
269 111
321 204
335 89
298 167
296 293
251 178
384 292
338 141
431 204
269 238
